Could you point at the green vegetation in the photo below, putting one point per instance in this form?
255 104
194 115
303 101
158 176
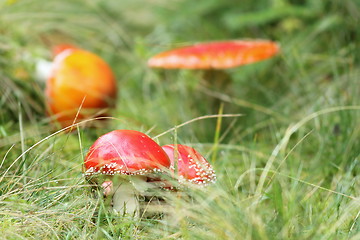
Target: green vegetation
288 167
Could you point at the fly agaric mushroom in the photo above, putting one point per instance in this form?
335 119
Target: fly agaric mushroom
215 56
124 158
190 169
81 85
191 166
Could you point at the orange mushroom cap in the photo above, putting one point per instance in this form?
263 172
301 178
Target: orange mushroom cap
79 80
215 55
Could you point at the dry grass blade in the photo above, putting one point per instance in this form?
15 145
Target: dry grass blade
198 119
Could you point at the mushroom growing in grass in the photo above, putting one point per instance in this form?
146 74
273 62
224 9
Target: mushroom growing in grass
81 85
214 57
189 170
189 166
120 161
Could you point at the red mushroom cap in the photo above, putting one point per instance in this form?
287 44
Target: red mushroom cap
215 55
125 152
191 166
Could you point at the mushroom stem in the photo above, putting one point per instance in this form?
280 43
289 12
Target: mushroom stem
125 199
43 70
217 79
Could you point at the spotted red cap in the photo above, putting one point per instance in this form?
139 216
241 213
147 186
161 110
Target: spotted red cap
215 55
125 152
191 166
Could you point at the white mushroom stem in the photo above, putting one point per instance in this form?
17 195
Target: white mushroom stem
124 194
43 70
124 197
